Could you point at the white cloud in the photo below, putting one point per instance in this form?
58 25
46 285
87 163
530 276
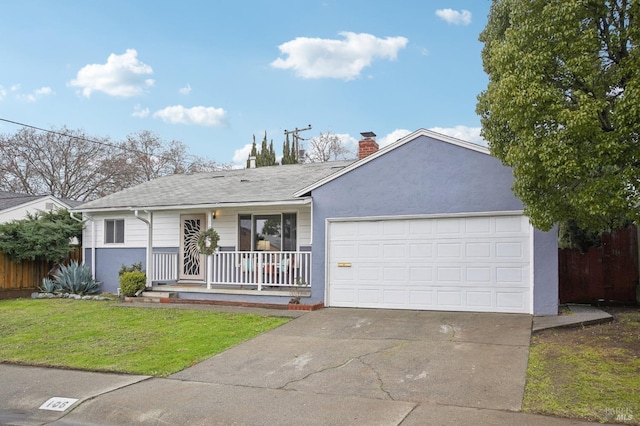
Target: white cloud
469 134
123 75
341 59
140 112
392 137
185 90
240 156
34 96
198 115
454 17
3 92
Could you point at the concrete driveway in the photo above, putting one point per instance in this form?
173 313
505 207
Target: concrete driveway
472 360
334 366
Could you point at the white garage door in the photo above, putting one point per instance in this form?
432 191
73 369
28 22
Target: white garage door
453 264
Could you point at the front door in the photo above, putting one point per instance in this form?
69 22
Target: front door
192 262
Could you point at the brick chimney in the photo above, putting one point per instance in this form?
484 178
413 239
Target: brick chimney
367 145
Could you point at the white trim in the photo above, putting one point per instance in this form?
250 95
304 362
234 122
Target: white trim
426 216
411 136
532 267
297 202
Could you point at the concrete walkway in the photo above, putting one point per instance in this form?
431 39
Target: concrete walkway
578 316
329 367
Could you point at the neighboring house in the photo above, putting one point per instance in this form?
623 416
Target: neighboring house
427 223
14 206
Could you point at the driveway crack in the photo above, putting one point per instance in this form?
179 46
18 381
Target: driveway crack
361 359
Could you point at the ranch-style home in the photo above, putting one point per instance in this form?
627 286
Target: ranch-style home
426 223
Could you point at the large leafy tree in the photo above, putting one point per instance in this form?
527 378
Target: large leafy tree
562 106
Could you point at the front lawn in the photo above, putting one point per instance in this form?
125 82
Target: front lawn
591 372
102 336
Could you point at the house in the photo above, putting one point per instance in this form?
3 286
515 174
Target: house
428 222
15 206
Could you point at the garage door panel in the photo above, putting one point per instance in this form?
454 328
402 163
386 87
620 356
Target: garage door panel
420 274
461 263
510 300
479 299
394 274
421 299
480 250
449 274
420 251
369 251
394 251
477 225
478 275
510 224
449 250
420 228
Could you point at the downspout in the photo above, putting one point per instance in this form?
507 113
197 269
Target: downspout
93 242
81 221
149 256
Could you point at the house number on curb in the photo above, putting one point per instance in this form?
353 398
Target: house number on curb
58 404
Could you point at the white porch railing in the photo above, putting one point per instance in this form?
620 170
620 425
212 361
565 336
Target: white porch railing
165 266
244 268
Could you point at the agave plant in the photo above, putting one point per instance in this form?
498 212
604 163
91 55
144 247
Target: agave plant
49 286
75 278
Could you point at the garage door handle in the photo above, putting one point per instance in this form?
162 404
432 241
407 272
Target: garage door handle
344 264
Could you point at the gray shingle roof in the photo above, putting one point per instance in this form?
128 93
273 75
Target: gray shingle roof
262 184
14 199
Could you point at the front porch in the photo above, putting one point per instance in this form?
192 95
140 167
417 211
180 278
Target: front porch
269 273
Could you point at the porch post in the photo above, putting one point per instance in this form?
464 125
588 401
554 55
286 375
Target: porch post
209 271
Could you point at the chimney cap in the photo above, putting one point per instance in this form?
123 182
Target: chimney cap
368 135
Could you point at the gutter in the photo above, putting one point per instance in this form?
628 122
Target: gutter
214 206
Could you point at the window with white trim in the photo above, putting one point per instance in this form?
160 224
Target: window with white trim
267 232
114 231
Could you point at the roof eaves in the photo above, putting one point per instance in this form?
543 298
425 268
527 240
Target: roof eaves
297 201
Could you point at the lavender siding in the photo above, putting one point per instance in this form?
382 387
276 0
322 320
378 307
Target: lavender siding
428 176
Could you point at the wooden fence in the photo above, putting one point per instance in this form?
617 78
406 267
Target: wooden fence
21 279
608 273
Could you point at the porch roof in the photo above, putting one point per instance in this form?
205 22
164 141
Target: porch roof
219 188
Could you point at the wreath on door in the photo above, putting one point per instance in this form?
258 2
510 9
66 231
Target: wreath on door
208 241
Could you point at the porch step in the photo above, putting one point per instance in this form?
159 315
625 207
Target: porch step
159 294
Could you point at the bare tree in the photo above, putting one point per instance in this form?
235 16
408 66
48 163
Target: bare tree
69 164
327 147
64 163
149 157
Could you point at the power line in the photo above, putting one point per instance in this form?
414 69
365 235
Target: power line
111 145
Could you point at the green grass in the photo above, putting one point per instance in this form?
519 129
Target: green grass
102 336
591 373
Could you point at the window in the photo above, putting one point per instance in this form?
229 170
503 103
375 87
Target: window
267 232
114 231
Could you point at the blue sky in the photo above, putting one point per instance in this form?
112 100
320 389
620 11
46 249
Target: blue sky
213 74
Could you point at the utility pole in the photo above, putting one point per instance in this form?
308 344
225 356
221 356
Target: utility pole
296 139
